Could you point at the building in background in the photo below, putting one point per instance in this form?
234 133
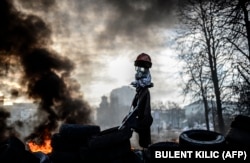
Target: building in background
113 109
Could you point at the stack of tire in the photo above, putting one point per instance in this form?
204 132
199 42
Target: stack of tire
238 136
110 145
13 150
67 142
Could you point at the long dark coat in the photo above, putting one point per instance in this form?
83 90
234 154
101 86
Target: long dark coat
144 118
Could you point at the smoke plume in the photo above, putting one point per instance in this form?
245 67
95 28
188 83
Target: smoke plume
26 38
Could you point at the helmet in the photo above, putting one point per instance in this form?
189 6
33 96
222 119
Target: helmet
143 60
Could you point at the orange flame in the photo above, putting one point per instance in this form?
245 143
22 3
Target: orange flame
45 147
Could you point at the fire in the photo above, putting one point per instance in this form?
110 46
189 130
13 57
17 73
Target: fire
45 147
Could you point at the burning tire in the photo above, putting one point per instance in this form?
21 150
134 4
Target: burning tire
201 139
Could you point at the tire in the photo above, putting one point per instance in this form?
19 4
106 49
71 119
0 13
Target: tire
201 139
16 143
5 154
78 130
110 137
108 145
62 144
9 154
241 122
238 136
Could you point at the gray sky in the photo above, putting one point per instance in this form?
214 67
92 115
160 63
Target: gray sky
103 38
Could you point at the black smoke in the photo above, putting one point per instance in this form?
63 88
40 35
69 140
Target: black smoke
45 73
4 129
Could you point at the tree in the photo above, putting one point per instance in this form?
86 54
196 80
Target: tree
244 99
198 82
202 39
237 25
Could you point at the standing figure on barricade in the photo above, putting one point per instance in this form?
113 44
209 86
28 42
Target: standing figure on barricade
140 118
